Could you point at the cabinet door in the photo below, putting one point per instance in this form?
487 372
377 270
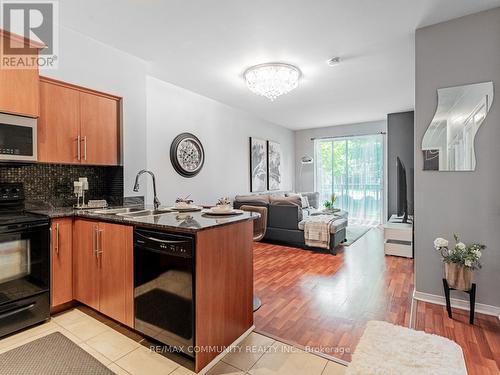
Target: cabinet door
62 261
59 124
85 263
19 92
116 272
99 125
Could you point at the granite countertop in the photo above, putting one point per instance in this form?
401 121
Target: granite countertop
191 222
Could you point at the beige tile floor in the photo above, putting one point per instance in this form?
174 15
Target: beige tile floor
256 355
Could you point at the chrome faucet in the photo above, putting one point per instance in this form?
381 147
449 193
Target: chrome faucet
156 201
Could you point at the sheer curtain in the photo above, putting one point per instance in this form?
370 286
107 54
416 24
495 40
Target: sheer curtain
352 169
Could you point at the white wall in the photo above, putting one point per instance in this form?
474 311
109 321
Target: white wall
224 133
90 63
305 146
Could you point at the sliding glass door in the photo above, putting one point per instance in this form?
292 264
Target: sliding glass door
352 168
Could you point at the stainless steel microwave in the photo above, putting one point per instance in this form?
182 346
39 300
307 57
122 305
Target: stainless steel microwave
18 138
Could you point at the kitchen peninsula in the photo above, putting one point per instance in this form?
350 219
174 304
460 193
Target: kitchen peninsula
184 279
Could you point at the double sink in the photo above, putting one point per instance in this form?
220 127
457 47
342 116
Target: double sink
131 213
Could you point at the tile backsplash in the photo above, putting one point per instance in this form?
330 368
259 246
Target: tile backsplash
52 184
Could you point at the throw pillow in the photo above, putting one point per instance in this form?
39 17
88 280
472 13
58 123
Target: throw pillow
303 198
305 201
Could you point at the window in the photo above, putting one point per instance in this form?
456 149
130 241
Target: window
352 168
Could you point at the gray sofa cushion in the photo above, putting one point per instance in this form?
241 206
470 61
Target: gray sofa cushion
257 198
284 217
313 198
339 213
285 201
337 225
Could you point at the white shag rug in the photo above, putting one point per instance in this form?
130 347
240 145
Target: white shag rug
386 349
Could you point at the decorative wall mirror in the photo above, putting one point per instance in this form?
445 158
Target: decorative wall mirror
448 143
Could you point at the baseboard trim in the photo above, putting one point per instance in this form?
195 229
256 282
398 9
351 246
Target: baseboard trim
413 312
456 303
217 359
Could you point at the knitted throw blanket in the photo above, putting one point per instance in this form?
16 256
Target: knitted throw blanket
317 231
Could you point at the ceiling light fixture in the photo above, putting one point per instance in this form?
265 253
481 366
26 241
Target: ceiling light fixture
272 79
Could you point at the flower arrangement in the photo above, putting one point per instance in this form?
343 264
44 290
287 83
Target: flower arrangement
330 203
224 201
184 200
461 254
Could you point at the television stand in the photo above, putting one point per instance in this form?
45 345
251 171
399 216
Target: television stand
398 237
399 219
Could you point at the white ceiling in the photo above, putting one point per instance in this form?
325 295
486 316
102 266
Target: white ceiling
205 46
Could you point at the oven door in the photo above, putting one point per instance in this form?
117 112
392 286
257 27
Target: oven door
24 261
18 138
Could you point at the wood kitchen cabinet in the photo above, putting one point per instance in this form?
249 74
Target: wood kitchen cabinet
62 261
103 268
85 263
19 92
59 124
99 129
77 125
224 287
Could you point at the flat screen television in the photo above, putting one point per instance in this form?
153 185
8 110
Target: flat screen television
402 192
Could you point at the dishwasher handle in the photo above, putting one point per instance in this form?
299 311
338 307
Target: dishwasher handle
173 242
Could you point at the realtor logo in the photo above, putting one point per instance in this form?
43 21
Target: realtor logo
33 41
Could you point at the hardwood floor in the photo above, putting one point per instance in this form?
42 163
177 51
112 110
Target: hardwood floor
480 342
324 301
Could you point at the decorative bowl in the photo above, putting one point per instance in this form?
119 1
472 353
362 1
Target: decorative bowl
222 208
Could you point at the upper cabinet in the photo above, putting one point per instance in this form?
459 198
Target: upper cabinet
59 124
77 125
19 93
99 129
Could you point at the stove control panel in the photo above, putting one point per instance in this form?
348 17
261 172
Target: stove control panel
11 192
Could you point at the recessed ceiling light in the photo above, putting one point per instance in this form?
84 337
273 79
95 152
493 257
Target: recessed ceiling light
333 61
272 79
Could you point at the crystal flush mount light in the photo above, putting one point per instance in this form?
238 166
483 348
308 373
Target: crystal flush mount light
272 79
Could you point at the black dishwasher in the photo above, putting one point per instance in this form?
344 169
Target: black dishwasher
163 288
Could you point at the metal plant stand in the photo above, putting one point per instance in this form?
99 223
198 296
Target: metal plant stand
472 300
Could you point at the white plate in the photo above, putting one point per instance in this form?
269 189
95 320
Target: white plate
186 209
223 213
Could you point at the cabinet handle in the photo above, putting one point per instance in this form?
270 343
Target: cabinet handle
56 244
94 241
78 151
85 148
99 240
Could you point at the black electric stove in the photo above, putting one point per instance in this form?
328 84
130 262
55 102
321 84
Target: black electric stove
24 263
12 206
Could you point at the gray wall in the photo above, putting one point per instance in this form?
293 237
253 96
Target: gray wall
457 52
224 132
400 137
304 146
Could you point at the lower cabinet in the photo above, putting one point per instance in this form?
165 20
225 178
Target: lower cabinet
86 263
103 268
62 261
116 287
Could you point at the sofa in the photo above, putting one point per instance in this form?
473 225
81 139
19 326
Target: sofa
287 213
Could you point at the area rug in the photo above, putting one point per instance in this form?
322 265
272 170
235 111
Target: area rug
393 350
354 233
53 354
